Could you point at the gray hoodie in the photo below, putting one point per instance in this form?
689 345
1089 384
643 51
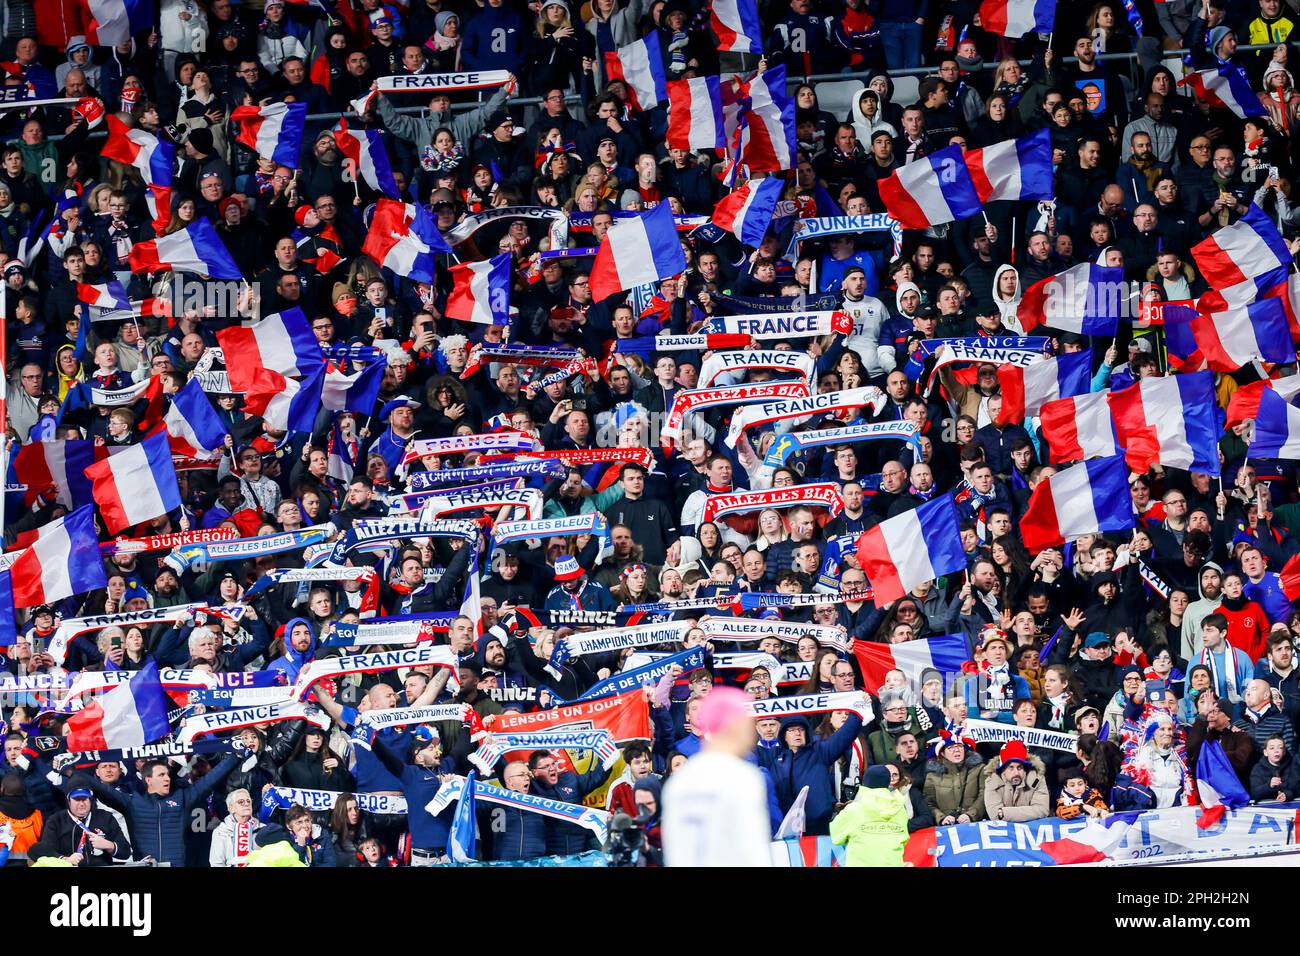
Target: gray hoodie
1197 611
420 129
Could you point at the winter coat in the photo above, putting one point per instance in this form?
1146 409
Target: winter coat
516 834
159 823
1029 801
564 838
62 835
952 789
1263 772
810 767
318 851
222 852
874 827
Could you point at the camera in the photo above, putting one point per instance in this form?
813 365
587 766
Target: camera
626 844
849 789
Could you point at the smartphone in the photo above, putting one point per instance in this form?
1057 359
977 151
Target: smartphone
579 405
115 642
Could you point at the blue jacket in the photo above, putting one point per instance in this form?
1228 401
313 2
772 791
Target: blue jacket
591 597
809 767
568 838
494 40
291 661
516 834
158 824
419 786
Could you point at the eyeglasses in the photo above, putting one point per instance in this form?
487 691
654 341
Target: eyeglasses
1200 146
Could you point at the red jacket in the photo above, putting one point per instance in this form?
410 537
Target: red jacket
1247 629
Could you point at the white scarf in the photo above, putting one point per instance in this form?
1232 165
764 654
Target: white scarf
1208 658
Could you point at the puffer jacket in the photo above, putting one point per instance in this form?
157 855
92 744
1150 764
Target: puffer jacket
158 824
952 789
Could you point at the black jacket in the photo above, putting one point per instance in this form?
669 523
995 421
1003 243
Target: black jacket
62 836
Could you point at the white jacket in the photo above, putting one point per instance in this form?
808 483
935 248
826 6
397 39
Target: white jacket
222 852
183 36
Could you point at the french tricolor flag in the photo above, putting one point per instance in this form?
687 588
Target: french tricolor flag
637 250
152 158
274 131
110 22
404 239
1083 299
135 484
196 248
746 211
1079 427
735 24
286 404
481 292
356 392
1169 421
1245 259
109 296
944 654
908 550
1244 404
132 714
768 141
1217 786
1277 428
934 190
1226 87
282 342
1228 340
193 427
365 147
1014 170
640 66
57 467
63 561
1288 293
695 114
1087 498
1026 390
1015 18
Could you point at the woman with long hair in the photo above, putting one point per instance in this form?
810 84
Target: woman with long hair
819 681
771 529
350 826
1061 698
314 766
1101 761
556 50
634 586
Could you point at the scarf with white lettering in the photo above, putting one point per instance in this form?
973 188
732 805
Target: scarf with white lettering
588 456
433 713
450 477
798 410
416 500
183 558
701 398
599 642
461 444
243 840
323 801
601 741
789 632
996 732
824 494
591 523
597 821
793 443
792 326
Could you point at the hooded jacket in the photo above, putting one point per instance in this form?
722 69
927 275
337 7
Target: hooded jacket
866 128
1007 306
809 766
874 827
1197 611
291 661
